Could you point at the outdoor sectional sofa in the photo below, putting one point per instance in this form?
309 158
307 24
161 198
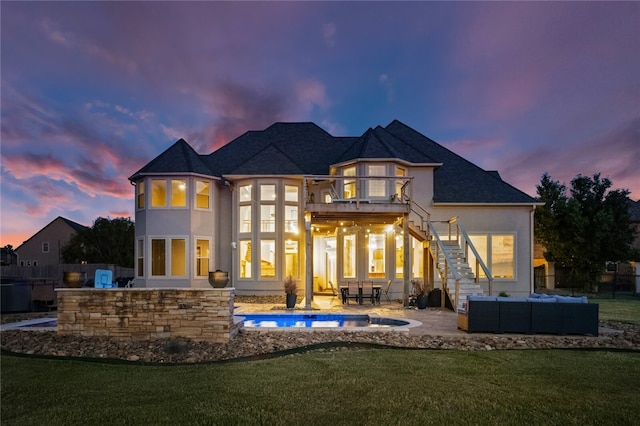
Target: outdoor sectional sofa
538 313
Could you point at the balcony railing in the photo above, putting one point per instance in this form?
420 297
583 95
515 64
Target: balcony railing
358 189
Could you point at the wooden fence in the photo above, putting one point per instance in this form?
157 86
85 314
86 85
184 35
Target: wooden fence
56 272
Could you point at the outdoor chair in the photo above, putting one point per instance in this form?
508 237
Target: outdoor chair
353 291
367 291
386 291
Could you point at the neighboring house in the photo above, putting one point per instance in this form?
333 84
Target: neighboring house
294 200
44 247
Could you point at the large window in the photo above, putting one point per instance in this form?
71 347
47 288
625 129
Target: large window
158 193
176 258
245 219
203 194
178 193
349 185
267 258
203 248
399 183
497 252
268 218
399 239
349 256
245 259
245 193
291 193
376 255
377 187
140 195
291 219
291 259
158 257
268 192
140 257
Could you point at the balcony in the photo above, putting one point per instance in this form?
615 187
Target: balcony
334 195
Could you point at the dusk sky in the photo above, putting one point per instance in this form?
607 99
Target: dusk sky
92 91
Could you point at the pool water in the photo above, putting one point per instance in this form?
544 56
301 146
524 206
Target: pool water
317 321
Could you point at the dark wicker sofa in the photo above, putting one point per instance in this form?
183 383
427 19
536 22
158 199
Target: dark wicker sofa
529 315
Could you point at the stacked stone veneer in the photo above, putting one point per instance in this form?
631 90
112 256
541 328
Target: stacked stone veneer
198 314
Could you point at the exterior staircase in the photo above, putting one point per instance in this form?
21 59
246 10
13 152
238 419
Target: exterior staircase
458 279
456 274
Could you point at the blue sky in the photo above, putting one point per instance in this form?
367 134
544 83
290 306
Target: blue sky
92 91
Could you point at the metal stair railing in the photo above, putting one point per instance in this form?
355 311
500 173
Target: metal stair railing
460 230
447 261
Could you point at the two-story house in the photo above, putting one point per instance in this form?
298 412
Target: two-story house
45 246
390 205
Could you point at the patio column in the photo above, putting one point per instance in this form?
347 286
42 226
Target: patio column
408 261
308 262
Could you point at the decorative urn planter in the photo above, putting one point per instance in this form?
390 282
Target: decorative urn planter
218 279
73 279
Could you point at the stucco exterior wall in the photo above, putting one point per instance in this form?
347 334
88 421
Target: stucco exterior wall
515 220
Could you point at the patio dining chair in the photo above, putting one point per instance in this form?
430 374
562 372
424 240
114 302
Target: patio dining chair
353 290
367 291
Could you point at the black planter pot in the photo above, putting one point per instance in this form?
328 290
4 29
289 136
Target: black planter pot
291 300
422 301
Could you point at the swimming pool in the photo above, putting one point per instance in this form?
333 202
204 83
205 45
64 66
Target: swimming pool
276 321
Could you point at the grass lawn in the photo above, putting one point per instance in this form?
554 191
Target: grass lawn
366 387
622 308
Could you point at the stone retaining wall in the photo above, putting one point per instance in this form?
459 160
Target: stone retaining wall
127 313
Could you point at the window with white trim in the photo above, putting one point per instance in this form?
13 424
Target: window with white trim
168 257
498 253
140 195
140 257
45 247
203 256
203 195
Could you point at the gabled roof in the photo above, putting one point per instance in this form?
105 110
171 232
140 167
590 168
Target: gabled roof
75 226
459 180
306 149
178 158
303 148
379 143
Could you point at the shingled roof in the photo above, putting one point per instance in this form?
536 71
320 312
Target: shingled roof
178 158
306 149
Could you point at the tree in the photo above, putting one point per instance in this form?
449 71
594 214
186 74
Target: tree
107 241
586 229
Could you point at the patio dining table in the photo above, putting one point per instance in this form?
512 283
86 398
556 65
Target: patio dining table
344 293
